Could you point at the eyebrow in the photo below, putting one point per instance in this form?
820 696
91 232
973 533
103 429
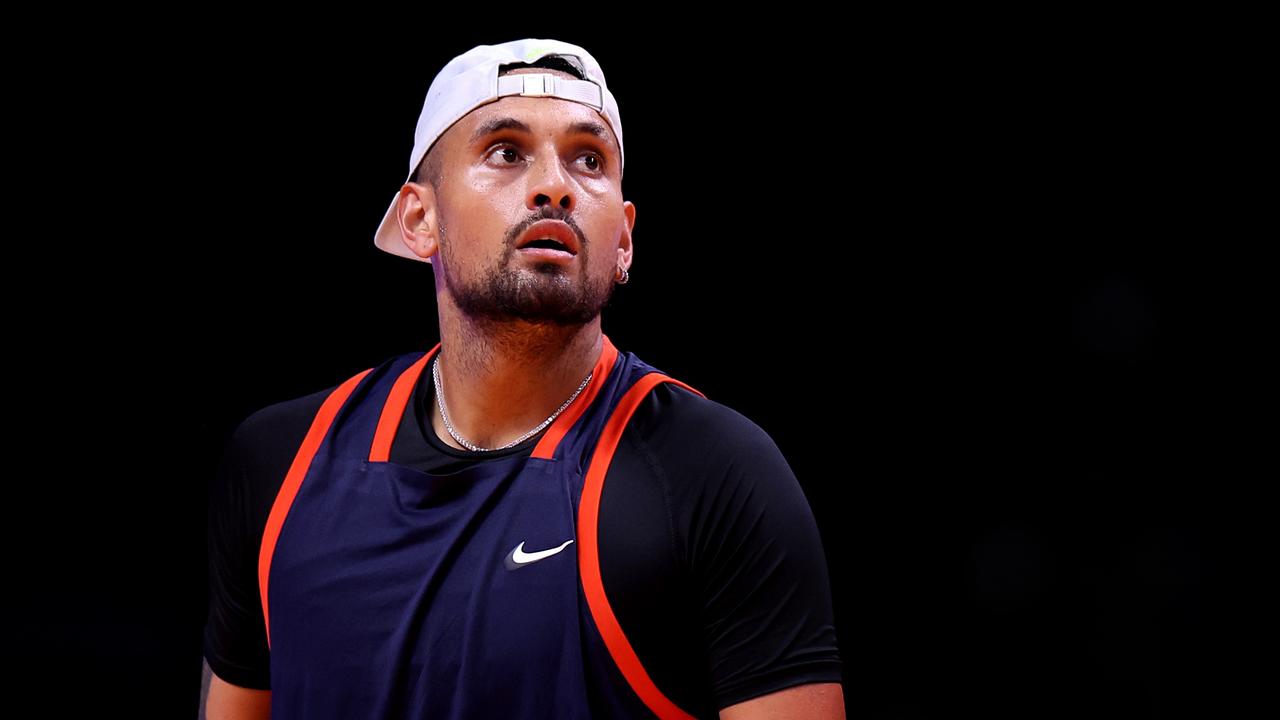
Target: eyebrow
582 127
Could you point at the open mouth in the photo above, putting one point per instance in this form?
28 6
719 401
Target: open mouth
550 239
547 244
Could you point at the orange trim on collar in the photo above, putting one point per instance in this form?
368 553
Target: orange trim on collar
393 409
546 447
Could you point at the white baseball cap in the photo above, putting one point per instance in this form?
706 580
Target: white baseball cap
471 80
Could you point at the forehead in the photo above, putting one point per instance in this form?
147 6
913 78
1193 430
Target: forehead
535 115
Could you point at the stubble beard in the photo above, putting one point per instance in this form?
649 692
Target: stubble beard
540 293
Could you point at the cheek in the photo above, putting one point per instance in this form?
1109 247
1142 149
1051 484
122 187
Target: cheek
605 239
604 258
476 234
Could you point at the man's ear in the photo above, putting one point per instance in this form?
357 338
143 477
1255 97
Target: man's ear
624 240
418 214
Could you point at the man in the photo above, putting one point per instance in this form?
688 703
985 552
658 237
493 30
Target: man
523 521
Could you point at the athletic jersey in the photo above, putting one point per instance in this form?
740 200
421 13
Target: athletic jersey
648 554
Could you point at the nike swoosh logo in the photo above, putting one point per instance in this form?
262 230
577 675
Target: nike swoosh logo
518 558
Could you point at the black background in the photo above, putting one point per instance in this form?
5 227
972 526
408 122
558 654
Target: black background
984 280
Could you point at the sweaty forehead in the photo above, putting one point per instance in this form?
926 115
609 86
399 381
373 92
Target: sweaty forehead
537 116
540 115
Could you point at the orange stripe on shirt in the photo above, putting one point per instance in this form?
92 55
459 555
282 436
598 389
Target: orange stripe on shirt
589 556
393 408
546 447
292 481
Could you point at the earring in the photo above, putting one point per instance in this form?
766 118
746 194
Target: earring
621 276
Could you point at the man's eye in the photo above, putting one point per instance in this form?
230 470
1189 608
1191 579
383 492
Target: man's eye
509 154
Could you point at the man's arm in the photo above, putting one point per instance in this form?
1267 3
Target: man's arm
253 464
757 567
220 700
824 701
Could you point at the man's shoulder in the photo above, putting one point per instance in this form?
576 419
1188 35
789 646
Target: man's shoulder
285 418
673 415
275 428
677 403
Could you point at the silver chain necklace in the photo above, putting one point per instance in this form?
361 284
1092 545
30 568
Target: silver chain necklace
435 373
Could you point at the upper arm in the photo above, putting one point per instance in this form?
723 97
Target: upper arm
248 476
235 644
224 701
816 701
760 573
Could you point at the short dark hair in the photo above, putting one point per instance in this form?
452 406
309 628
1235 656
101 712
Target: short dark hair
428 171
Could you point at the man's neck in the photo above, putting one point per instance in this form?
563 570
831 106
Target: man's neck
500 381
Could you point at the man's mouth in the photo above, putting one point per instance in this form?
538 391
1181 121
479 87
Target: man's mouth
549 236
548 243
547 250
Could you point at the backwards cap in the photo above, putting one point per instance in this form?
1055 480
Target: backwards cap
471 80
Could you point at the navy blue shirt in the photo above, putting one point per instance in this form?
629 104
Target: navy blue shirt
708 547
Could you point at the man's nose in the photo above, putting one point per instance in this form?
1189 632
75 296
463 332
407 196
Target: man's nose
550 184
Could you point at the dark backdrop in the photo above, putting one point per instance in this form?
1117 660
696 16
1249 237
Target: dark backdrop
979 286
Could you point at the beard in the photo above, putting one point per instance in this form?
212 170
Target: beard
542 293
